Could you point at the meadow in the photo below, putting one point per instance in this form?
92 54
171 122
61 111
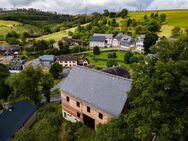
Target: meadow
8 26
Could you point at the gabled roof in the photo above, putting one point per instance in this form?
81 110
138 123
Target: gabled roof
16 65
11 121
9 47
119 36
103 35
67 58
97 38
141 38
47 58
99 89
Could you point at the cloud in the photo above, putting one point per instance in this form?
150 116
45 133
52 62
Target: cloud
82 6
168 4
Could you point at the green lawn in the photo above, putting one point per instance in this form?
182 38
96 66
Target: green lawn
100 61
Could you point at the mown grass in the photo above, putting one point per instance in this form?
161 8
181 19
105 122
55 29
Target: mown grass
100 61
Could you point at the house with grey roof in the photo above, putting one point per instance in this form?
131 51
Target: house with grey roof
67 60
101 40
126 42
117 39
46 60
93 97
16 66
140 42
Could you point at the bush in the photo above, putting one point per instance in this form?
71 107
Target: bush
110 55
111 63
114 55
127 57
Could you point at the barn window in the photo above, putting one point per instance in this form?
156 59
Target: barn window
100 116
88 109
78 104
68 99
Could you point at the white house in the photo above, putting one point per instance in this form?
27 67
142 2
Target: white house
117 40
101 40
67 60
140 42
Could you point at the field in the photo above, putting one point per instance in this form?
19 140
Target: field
8 26
100 61
57 35
174 17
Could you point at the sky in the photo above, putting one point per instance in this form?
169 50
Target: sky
89 6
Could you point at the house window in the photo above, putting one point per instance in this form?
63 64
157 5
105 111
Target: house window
65 115
68 99
88 109
78 115
78 104
100 116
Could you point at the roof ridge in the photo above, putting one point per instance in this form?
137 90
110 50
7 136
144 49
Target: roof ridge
101 72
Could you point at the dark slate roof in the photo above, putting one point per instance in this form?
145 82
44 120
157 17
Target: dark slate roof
9 47
119 71
97 38
99 89
47 58
11 121
127 40
67 58
119 36
16 65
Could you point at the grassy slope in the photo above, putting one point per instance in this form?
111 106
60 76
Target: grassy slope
174 18
8 26
57 35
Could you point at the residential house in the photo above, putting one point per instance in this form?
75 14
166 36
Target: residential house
101 40
12 118
9 49
140 42
93 97
117 39
126 42
16 66
67 60
47 60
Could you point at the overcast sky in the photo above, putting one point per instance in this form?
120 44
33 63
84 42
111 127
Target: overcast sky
83 6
